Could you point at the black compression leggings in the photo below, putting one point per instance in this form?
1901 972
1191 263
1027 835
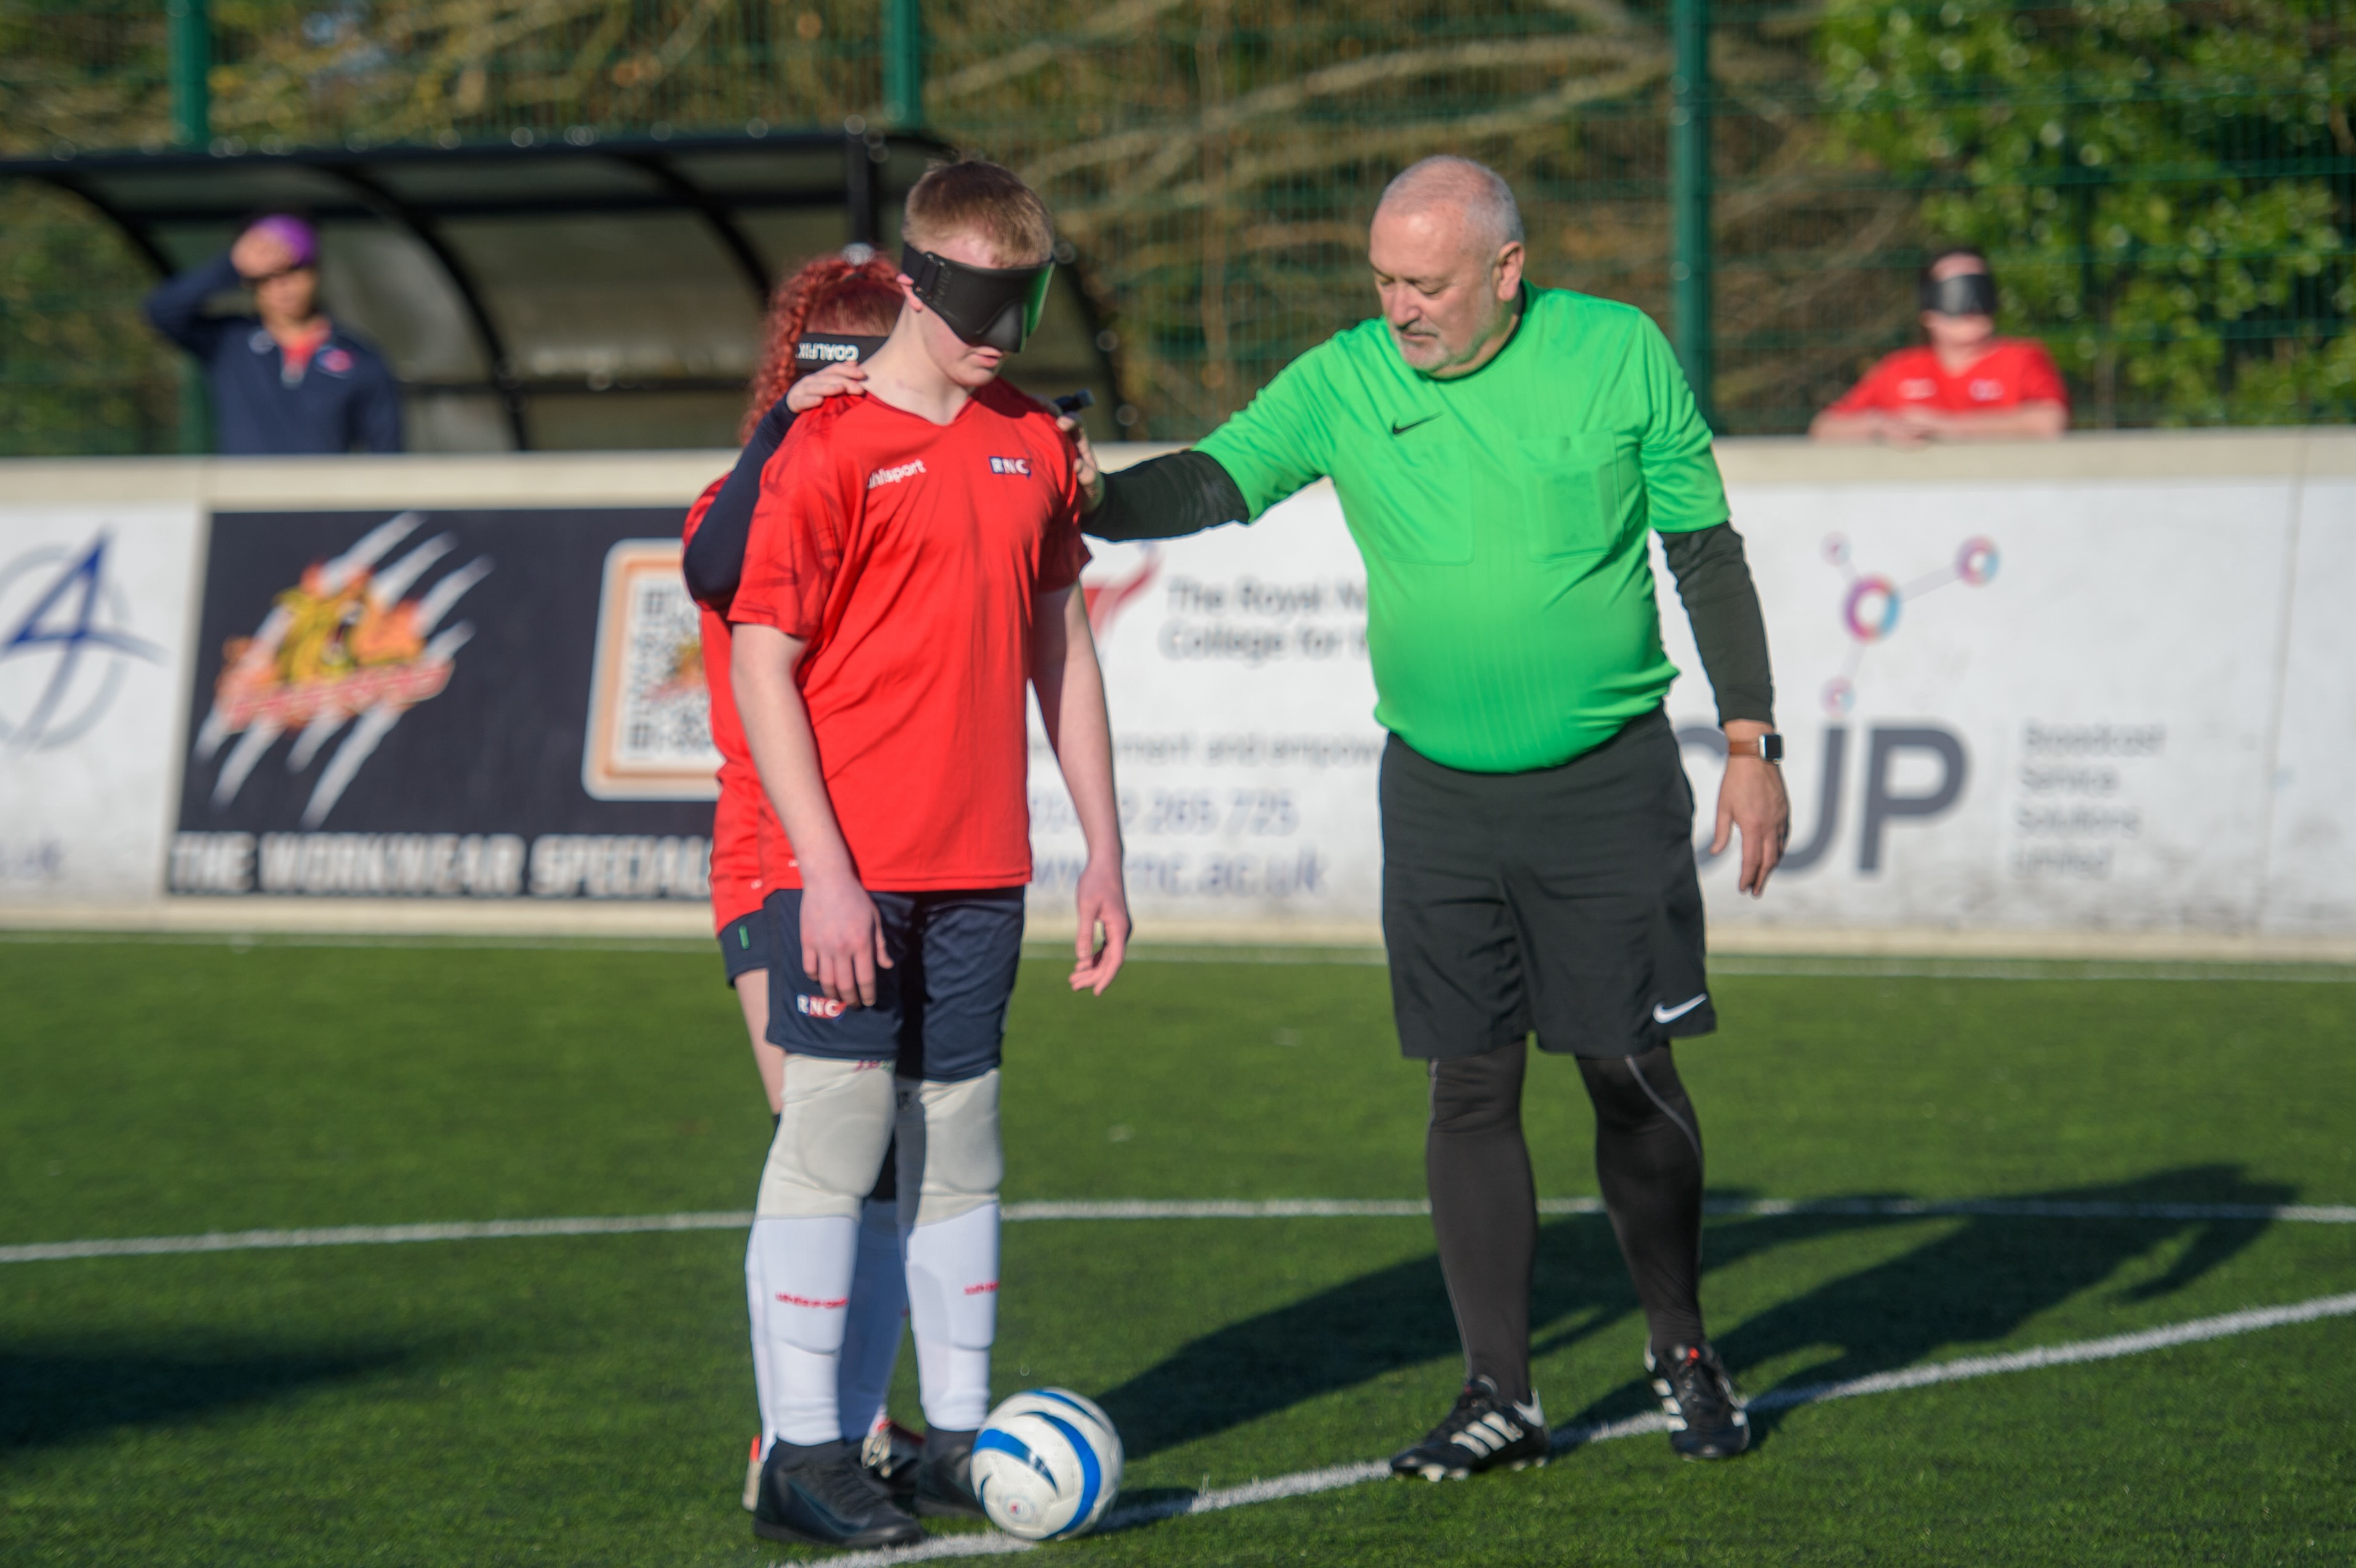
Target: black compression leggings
1484 1205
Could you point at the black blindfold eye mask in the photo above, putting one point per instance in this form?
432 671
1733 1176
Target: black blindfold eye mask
817 350
989 307
1969 293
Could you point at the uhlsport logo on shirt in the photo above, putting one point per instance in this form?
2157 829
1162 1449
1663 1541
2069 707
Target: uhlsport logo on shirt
1020 465
884 476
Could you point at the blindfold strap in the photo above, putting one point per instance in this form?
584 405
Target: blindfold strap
1970 294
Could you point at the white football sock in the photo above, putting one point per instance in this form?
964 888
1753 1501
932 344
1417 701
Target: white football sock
953 1307
797 1275
870 1340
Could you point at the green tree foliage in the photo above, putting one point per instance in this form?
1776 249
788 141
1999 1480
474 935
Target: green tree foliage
2167 183
79 371
2162 183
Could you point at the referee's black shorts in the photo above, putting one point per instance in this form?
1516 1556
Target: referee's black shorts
1562 901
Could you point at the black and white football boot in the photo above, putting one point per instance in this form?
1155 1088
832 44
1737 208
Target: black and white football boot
819 1495
1486 1430
1706 1420
945 1477
894 1455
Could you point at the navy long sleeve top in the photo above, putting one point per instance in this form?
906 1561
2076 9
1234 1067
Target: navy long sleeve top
344 397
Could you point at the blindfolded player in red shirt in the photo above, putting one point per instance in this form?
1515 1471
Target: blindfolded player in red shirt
1967 384
823 319
912 570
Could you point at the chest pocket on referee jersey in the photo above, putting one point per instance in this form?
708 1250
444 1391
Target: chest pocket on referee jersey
1577 493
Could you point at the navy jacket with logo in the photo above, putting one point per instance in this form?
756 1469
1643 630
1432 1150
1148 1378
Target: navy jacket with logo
345 398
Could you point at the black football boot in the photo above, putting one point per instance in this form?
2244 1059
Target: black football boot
1706 1420
1486 1430
945 1477
895 1456
819 1495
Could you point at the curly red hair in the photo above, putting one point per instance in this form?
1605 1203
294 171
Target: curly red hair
829 294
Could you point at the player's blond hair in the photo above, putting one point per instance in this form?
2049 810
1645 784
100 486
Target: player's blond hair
976 198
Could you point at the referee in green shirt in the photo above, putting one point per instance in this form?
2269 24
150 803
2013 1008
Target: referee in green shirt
1500 453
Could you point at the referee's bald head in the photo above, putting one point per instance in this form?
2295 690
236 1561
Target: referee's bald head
1475 195
1446 249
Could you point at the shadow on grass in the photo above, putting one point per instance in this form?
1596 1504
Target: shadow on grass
1976 1283
1393 1318
1980 1282
51 1396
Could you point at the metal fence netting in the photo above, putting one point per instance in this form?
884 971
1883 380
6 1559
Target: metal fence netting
2165 187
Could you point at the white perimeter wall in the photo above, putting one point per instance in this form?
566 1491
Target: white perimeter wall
2130 708
2129 711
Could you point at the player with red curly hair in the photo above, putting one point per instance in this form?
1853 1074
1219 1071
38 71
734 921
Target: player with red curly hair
822 320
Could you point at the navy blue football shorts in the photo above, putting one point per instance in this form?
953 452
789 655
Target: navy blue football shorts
941 1009
744 943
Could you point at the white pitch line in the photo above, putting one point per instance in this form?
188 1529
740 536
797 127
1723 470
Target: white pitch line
369 1235
1308 1482
1157 1208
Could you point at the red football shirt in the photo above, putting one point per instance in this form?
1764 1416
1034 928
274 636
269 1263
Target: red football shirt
906 555
746 837
2014 370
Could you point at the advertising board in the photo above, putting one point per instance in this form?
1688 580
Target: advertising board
2112 692
464 704
94 609
2090 705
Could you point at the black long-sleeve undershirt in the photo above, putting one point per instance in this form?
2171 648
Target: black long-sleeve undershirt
1187 492
715 563
1722 602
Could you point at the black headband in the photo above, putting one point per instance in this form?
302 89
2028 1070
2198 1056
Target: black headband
991 308
1965 293
821 349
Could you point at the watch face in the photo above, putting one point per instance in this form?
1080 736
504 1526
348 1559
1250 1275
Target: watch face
1770 747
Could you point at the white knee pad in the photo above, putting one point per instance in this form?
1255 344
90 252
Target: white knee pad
831 1134
949 1155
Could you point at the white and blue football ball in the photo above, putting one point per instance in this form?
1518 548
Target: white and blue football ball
1046 1464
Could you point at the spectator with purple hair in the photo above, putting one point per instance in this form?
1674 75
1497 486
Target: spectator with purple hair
286 381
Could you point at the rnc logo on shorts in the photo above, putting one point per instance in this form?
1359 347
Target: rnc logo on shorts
1010 465
817 1006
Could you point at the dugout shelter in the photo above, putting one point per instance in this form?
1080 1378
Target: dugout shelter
567 292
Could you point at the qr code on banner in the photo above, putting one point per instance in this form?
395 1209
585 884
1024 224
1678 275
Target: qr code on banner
649 713
666 713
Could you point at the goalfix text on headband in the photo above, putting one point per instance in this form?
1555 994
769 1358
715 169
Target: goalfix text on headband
818 350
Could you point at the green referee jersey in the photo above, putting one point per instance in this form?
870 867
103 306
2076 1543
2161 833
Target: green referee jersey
1509 595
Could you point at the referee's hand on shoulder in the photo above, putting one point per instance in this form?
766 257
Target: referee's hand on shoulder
1083 463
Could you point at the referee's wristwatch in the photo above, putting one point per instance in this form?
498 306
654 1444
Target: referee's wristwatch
1768 748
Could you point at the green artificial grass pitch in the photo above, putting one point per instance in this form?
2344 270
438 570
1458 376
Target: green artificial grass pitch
587 1400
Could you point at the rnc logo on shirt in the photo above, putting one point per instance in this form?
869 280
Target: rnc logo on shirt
1010 465
817 1006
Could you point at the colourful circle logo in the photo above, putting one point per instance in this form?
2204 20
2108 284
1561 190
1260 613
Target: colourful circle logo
1977 562
1871 608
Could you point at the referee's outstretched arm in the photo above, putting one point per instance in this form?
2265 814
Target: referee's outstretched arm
1166 498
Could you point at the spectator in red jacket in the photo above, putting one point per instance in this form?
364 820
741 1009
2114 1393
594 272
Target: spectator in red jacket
1967 384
